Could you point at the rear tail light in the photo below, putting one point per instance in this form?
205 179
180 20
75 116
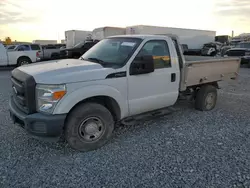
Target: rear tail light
37 53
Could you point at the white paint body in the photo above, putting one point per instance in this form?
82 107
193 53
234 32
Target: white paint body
11 57
104 32
135 94
195 39
73 37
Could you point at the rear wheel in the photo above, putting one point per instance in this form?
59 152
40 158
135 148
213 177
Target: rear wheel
206 98
23 61
89 126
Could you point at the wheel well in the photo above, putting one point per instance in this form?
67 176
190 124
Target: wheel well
106 101
195 89
24 57
215 84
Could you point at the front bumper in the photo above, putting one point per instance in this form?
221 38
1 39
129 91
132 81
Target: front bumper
37 124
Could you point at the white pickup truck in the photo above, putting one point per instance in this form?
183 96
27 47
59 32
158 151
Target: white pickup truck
17 57
119 79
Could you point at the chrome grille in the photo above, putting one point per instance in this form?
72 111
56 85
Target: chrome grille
19 94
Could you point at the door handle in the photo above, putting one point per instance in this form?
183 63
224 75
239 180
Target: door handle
173 77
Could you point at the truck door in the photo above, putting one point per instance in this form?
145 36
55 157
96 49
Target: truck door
160 88
14 55
3 56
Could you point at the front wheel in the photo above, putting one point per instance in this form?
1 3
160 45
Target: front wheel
23 61
206 98
89 126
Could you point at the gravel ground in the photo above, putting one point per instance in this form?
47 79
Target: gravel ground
188 148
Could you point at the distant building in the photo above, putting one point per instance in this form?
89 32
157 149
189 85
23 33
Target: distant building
44 42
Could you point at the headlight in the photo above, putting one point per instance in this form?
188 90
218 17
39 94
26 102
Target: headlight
247 53
47 96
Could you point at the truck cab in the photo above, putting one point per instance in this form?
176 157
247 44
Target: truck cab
120 78
20 55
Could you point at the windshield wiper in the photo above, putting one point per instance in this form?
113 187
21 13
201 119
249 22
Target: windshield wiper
96 60
93 59
99 61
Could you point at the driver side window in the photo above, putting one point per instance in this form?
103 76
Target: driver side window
159 50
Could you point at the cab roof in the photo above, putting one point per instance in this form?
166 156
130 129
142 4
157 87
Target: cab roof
160 36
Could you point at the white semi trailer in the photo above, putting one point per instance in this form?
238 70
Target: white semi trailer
73 37
195 39
44 42
103 32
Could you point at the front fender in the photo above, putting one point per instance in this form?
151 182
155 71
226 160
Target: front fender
73 98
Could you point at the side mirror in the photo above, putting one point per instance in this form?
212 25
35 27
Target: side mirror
142 65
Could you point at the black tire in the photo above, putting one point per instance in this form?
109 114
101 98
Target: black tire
23 61
82 140
213 54
206 98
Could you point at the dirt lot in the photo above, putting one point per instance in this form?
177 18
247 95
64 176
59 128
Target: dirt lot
188 148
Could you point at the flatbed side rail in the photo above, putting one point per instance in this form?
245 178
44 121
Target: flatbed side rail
209 71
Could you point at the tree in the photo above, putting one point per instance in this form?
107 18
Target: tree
8 40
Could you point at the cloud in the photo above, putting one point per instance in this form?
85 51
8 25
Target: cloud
233 8
11 12
232 15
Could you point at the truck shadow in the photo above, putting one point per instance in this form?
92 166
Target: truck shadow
121 130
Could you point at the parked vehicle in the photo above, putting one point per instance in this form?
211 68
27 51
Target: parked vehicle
224 39
30 47
73 37
78 50
241 50
120 79
104 32
244 37
18 57
51 51
224 49
211 49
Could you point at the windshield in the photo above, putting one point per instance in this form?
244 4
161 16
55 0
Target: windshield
79 45
243 45
112 51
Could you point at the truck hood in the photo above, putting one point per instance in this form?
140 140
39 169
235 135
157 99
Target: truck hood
66 71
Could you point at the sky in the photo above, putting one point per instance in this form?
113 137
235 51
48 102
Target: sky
27 20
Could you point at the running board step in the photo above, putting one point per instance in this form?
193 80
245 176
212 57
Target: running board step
149 115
